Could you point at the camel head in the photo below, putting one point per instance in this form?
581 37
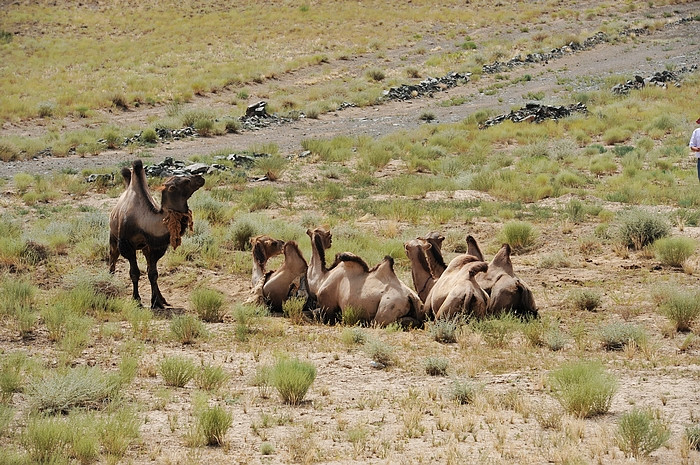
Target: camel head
265 247
177 190
416 248
320 234
435 239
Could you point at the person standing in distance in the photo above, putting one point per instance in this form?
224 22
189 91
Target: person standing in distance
695 145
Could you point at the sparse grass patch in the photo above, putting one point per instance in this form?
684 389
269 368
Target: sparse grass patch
208 303
212 423
292 379
259 198
639 228
692 435
353 336
497 331
640 432
379 351
177 371
80 387
583 388
444 330
187 329
293 308
584 299
436 366
615 336
211 378
463 392
674 251
681 307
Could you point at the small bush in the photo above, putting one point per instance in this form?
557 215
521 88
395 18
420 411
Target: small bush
350 316
208 303
444 330
263 380
259 198
204 127
496 331
11 375
379 351
615 336
638 228
681 307
267 448
292 379
187 329
353 336
463 393
692 435
240 233
46 109
583 388
376 74
293 308
213 423
436 366
118 431
233 126
520 235
584 299
272 166
640 432
81 387
177 371
149 136
674 251
211 378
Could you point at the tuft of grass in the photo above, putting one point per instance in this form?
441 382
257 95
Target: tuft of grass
80 387
681 307
177 371
350 316
208 303
692 436
496 331
379 351
353 336
292 379
11 375
583 388
376 74
640 432
674 251
520 235
639 228
444 330
240 233
272 166
187 329
211 378
584 299
463 392
259 198
615 336
213 422
293 308
246 315
436 366
118 431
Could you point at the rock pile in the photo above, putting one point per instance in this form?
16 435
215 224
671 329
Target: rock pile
426 87
165 133
660 78
625 87
170 167
257 117
534 112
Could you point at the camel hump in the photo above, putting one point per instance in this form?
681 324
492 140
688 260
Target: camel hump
138 166
388 260
126 174
473 248
352 258
462 260
478 268
502 259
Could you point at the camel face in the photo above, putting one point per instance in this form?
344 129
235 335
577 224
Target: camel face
178 189
265 247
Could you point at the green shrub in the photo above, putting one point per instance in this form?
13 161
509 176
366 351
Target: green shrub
583 388
463 392
118 431
241 233
177 371
350 316
292 378
187 329
45 439
496 331
584 299
204 127
80 387
682 307
692 435
520 235
616 336
267 448
638 228
213 422
376 74
640 432
444 330
293 308
272 166
263 380
211 378
208 303
233 126
379 351
11 375
7 413
436 366
259 198
245 315
353 336
16 295
674 251
149 136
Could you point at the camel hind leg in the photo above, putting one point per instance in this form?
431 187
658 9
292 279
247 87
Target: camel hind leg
113 253
152 257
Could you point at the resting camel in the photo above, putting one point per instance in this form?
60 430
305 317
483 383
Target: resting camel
277 286
377 294
507 291
456 291
137 223
427 263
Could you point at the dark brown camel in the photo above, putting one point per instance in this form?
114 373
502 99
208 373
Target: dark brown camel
137 223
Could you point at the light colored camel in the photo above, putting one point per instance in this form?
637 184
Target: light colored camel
427 264
507 291
274 287
456 291
376 294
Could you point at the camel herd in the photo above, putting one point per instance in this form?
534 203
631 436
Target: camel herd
467 286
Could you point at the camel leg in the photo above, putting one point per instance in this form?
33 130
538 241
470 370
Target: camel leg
113 253
129 252
152 257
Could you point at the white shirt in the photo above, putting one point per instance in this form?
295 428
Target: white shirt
695 141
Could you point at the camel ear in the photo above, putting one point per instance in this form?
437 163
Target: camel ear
426 246
308 232
473 248
159 188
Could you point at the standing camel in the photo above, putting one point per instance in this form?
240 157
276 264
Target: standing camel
376 294
138 223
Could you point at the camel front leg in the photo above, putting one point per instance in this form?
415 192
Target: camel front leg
152 257
113 253
129 252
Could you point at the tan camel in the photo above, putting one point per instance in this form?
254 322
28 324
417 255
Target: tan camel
376 294
456 291
274 287
427 264
507 291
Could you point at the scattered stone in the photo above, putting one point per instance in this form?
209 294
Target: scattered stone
165 133
625 87
534 112
102 178
660 78
377 365
197 168
426 87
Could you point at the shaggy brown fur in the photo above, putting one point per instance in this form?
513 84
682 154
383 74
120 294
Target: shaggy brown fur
177 223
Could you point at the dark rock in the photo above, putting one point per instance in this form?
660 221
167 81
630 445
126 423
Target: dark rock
534 112
100 177
257 109
426 87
